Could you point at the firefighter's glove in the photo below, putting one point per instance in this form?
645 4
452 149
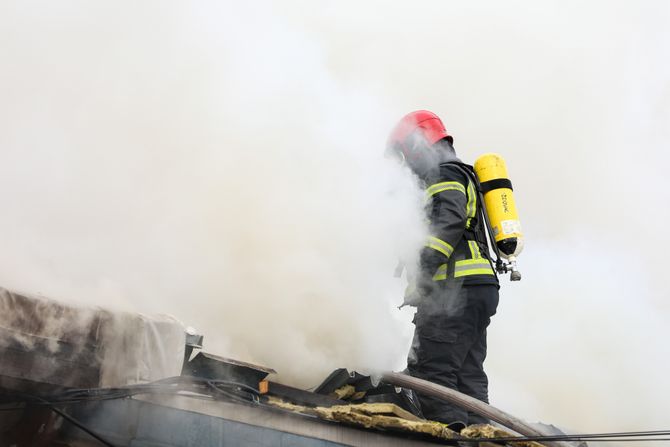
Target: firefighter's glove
417 290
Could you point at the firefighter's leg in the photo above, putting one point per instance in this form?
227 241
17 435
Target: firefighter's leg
472 379
439 349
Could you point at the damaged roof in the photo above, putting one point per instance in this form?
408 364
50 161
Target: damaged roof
81 376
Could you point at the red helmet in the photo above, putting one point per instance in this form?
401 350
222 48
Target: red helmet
420 123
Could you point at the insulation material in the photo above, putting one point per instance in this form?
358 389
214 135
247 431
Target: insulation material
381 416
490 431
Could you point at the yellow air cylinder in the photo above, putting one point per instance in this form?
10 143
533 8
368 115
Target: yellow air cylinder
500 205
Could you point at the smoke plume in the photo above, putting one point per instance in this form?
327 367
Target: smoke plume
210 167
223 163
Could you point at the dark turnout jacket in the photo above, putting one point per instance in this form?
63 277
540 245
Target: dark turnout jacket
456 249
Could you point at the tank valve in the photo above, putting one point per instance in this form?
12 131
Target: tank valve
509 267
515 275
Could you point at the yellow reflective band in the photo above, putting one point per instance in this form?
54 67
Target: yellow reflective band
471 207
439 245
444 186
469 262
474 250
441 273
469 267
473 193
470 272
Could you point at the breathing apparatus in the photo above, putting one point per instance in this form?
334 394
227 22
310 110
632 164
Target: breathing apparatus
420 129
500 213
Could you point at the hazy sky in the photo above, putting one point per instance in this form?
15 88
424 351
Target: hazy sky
222 162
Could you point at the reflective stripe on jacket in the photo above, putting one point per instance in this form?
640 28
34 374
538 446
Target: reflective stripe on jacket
456 247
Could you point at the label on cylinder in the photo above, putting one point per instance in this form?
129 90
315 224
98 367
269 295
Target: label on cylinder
510 226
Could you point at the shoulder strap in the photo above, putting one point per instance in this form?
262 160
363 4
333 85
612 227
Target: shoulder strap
469 173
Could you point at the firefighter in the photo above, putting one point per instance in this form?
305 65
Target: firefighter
455 288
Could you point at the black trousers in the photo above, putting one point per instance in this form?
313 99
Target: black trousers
449 347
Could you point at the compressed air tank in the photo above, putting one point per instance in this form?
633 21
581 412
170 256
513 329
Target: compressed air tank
500 205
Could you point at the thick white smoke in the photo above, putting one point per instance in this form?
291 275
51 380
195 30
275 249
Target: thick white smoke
576 96
204 162
222 163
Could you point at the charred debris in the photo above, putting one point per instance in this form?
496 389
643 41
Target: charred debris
73 376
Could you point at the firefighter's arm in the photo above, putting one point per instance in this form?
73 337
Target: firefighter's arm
448 214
